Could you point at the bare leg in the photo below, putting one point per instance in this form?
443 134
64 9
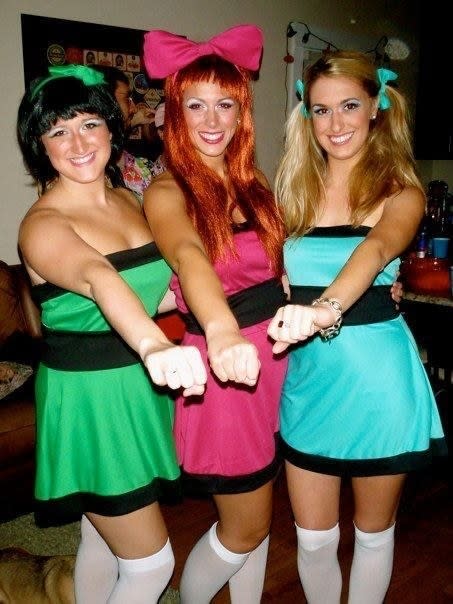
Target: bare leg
244 521
376 504
144 554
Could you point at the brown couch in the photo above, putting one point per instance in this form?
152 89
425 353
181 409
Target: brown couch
19 340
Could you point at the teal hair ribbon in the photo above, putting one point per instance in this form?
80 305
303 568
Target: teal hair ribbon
300 87
89 76
384 75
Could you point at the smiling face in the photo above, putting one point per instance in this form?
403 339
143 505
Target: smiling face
79 148
211 117
341 111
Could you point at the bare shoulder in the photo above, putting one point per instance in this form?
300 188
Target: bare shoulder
410 196
410 192
39 213
162 182
164 190
128 196
43 232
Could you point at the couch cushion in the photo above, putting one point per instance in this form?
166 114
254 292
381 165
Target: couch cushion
12 376
21 348
17 429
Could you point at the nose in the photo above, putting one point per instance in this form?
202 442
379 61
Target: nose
78 143
211 116
336 122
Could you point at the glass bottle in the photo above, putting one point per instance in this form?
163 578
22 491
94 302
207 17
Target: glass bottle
437 208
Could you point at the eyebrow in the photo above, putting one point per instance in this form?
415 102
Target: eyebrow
196 98
348 100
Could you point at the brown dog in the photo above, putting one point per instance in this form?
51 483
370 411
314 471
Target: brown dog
29 579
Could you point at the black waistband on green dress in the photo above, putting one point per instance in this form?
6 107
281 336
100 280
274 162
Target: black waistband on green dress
85 351
250 305
374 306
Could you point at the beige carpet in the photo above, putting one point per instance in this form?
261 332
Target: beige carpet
22 532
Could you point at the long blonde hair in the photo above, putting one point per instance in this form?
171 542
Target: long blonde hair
386 166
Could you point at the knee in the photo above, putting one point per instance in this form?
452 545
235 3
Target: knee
374 539
257 537
373 525
243 541
312 540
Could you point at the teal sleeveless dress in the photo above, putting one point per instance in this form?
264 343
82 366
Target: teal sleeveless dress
104 431
360 404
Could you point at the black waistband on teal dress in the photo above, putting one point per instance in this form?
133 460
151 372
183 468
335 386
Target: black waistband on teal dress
250 305
374 306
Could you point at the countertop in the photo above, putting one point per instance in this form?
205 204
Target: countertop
428 299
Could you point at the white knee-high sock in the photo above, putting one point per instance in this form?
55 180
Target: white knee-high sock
208 567
96 568
246 585
143 580
318 566
372 566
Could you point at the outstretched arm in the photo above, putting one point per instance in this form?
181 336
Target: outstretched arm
388 238
231 356
54 252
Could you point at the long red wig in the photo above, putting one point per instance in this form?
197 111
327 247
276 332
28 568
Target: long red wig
208 198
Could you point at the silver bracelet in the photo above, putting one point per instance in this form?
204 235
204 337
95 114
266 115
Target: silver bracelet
330 332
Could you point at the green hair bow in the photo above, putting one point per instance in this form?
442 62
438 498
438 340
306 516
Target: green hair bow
300 87
89 76
384 75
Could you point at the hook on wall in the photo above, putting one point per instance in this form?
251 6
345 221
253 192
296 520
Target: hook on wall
291 32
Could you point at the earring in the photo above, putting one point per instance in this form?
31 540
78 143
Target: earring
373 117
238 120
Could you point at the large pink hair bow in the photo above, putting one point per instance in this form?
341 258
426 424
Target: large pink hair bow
165 53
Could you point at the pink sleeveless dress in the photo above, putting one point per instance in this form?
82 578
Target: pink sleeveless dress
226 439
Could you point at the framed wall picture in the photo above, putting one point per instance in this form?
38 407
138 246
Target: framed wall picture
48 41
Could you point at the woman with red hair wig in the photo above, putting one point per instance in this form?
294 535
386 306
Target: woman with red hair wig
216 223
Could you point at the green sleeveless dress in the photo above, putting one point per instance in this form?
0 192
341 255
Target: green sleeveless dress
104 430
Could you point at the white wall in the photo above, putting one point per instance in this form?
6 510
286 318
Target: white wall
441 169
198 19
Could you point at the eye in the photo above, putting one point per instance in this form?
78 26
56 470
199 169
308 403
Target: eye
320 111
55 132
195 106
352 105
93 123
226 105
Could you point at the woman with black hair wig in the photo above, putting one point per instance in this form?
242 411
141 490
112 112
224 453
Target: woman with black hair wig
104 431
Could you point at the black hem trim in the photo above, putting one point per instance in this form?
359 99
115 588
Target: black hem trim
397 464
55 512
209 484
